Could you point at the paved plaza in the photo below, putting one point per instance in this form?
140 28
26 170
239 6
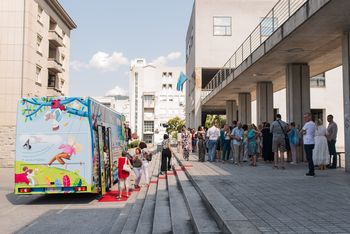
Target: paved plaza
282 201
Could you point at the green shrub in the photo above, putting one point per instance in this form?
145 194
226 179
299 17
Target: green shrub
133 144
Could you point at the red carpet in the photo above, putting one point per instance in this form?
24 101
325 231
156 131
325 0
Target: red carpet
112 197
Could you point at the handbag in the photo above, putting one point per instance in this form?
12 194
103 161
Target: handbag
286 138
126 166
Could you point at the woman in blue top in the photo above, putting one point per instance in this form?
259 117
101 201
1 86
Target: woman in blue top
293 136
252 144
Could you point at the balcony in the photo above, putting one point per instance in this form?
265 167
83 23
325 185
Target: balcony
55 39
149 104
54 66
148 117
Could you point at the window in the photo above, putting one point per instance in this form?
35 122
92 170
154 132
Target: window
318 81
268 25
51 82
39 39
164 75
189 44
164 86
170 75
148 126
38 74
53 25
222 26
63 58
40 15
148 138
149 98
170 86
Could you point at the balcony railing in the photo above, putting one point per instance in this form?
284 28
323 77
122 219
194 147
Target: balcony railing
55 38
54 66
279 14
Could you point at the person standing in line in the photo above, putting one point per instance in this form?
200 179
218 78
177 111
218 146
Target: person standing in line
308 132
332 131
267 143
237 143
144 154
232 126
166 154
252 143
244 155
278 129
320 152
201 144
213 135
293 136
225 138
123 175
137 166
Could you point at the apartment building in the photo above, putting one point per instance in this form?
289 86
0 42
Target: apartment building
153 99
34 59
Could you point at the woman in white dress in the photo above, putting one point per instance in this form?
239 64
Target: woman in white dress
320 152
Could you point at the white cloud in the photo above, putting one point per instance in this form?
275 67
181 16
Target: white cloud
162 60
102 61
106 62
77 65
117 91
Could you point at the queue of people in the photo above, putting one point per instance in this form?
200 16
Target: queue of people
273 142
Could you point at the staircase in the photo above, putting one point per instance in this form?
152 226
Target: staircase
170 204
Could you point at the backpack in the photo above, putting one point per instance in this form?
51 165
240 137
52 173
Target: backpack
148 156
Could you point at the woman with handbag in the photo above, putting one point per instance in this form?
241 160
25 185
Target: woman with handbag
124 169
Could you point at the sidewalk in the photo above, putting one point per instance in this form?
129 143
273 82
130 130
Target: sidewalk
276 201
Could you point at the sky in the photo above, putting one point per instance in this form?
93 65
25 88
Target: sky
111 33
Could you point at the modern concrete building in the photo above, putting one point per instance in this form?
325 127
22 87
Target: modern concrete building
216 29
279 63
118 103
34 59
153 99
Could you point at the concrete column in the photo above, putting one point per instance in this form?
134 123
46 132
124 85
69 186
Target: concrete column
298 97
231 111
197 98
245 108
346 94
298 92
264 102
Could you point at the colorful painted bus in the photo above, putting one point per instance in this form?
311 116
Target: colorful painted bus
67 145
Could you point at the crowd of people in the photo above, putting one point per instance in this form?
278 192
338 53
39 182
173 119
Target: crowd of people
273 142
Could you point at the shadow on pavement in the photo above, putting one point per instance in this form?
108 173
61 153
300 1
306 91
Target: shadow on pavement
48 199
73 221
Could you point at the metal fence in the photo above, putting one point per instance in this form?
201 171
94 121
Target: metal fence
279 14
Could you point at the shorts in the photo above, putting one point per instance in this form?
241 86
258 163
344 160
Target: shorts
279 144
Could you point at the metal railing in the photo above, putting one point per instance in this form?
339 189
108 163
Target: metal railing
279 14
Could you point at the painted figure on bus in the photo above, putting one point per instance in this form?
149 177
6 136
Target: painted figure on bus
66 153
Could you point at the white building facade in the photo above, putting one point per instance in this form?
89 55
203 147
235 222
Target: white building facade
154 99
215 32
216 29
34 59
119 103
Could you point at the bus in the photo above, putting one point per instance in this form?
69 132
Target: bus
67 145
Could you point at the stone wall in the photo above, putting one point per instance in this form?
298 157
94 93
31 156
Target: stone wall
7 146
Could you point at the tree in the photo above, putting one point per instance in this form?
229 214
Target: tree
212 118
174 125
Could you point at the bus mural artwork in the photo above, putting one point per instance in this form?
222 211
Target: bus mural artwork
66 145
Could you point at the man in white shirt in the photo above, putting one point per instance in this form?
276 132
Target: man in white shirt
213 134
308 133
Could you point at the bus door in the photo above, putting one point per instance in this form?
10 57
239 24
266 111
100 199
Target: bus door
101 168
108 160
